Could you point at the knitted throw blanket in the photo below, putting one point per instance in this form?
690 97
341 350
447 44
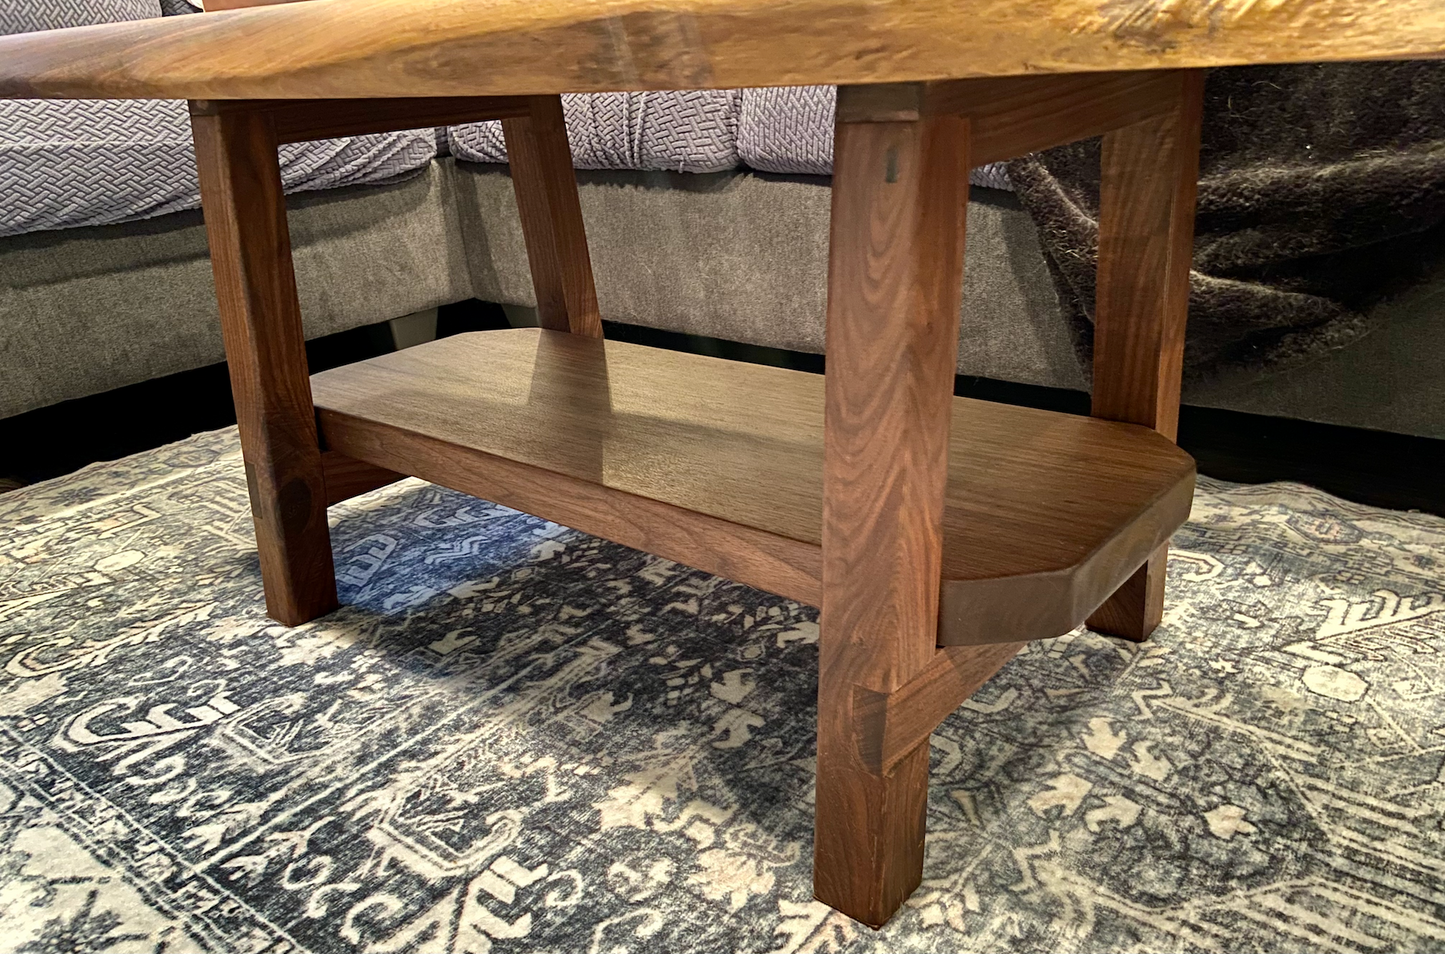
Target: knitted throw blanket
1321 192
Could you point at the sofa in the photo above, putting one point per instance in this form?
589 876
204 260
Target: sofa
707 213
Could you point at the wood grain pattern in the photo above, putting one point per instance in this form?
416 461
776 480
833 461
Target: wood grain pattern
1136 608
245 213
347 477
1036 498
890 725
1149 179
307 119
1014 115
547 201
895 270
720 547
1148 183
1048 603
327 49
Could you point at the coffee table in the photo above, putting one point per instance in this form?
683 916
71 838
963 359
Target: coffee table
938 535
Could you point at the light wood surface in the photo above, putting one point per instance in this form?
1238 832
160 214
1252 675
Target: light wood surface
895 271
398 48
266 351
1031 495
1150 172
551 212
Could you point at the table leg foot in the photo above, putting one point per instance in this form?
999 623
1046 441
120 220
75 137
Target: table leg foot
869 829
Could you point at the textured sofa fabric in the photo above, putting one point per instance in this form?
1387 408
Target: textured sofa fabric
783 129
27 16
744 256
790 129
77 163
89 309
687 131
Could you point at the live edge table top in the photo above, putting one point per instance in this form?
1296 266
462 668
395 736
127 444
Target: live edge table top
360 49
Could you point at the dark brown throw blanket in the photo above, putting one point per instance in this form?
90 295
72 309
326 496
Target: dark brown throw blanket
1321 192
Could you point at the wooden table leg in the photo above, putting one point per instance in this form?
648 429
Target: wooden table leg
894 280
1146 239
245 213
546 189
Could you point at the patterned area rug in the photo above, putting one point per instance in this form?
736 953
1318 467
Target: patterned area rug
515 737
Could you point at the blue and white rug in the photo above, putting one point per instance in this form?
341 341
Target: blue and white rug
515 737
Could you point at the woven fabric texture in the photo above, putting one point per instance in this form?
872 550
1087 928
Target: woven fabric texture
28 16
79 162
687 131
790 129
784 130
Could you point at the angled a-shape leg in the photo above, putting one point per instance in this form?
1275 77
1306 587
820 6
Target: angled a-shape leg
894 281
551 213
1146 239
245 213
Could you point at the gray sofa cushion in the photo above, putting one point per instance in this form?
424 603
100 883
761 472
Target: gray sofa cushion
74 163
744 257
78 162
790 129
87 310
676 131
28 16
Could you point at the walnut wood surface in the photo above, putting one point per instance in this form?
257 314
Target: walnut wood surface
1150 172
308 119
890 725
1014 115
1030 493
1136 608
245 213
347 477
388 48
551 213
895 270
718 546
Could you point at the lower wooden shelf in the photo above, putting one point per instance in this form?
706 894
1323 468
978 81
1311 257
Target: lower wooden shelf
719 465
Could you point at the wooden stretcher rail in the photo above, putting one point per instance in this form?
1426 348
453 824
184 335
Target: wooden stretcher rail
307 119
1012 116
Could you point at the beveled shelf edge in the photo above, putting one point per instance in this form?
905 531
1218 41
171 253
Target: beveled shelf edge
1053 602
972 612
